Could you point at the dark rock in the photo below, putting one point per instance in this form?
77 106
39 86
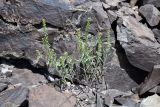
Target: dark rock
151 14
19 45
156 3
33 12
99 19
21 28
138 41
157 34
13 97
46 96
3 87
117 74
151 81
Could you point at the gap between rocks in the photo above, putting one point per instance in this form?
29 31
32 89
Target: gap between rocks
22 63
48 25
4 20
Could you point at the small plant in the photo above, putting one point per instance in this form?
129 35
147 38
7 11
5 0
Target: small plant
63 64
90 62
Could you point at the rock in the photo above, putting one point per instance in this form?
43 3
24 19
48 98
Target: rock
111 94
108 101
151 101
116 74
13 97
155 90
21 29
3 87
115 93
133 2
138 41
106 6
156 3
99 101
131 103
126 100
112 16
113 3
19 45
157 34
151 14
127 11
25 12
27 78
151 81
46 96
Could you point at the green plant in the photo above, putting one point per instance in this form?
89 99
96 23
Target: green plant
91 59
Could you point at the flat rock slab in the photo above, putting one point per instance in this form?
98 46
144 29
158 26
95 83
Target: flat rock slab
46 96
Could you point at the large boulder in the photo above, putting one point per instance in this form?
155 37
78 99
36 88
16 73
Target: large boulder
21 27
151 14
138 41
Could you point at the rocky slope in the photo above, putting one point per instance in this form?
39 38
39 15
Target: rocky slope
132 74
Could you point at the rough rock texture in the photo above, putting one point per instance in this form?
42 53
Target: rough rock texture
3 86
157 34
151 14
27 78
21 32
46 96
154 2
20 29
116 74
13 97
138 41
